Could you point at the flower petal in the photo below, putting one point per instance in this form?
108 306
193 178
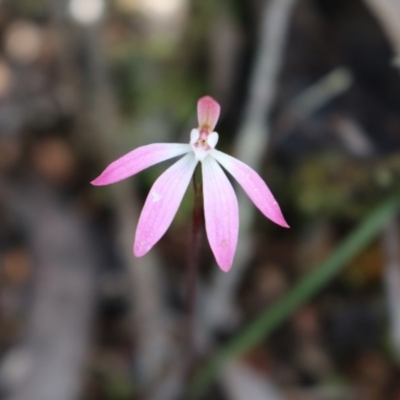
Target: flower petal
208 112
138 160
212 139
221 213
253 185
162 203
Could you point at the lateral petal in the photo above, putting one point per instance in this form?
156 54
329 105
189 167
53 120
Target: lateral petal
253 185
161 204
221 213
138 160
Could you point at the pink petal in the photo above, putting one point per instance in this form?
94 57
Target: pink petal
138 160
162 203
221 213
208 112
253 185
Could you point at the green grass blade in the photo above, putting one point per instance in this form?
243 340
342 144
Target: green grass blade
308 286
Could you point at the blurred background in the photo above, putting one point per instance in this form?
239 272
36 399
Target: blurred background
310 96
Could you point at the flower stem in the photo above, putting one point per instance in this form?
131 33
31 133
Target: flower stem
193 263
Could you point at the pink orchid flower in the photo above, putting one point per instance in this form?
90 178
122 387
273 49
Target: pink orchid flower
220 203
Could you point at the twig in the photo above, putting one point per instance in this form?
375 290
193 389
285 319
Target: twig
388 13
314 97
320 93
353 137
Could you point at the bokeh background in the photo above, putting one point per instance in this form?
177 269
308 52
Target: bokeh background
310 96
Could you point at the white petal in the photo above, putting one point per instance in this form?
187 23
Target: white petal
194 136
212 139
